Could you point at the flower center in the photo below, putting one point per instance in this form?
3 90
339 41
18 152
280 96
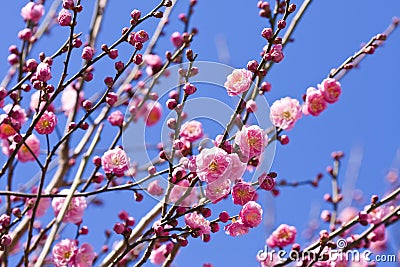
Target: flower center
286 115
213 166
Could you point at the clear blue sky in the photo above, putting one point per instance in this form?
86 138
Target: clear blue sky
365 122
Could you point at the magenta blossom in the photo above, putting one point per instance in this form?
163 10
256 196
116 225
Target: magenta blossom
251 214
116 161
315 102
284 235
236 228
46 123
330 89
43 72
116 118
238 81
191 131
242 193
64 17
285 112
25 154
159 255
75 209
197 222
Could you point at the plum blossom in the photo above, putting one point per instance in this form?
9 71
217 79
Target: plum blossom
116 161
17 114
236 228
285 112
251 214
64 252
69 99
153 113
284 235
155 189
64 17
191 131
116 118
198 222
242 193
251 141
179 189
176 39
44 204
32 11
238 81
43 72
75 209
159 254
84 256
315 102
34 104
154 64
276 53
212 163
330 89
217 190
46 123
24 153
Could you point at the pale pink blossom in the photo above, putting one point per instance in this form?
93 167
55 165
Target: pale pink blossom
191 131
34 104
212 163
153 62
46 123
24 154
153 114
155 189
176 39
44 204
237 168
314 103
376 215
17 114
84 256
69 99
43 72
330 89
242 193
197 222
251 141
116 118
251 214
218 189
32 11
75 209
378 234
284 235
285 112
159 255
116 161
64 252
238 82
236 228
179 189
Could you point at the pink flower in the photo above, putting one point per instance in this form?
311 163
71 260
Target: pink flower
238 81
251 214
116 161
315 102
218 189
378 234
242 193
85 256
17 114
191 131
237 168
154 113
179 189
46 123
43 72
176 39
75 209
64 17
159 254
266 182
376 215
64 252
6 130
285 112
284 235
44 204
24 154
32 11
34 104
69 99
198 222
87 53
154 64
212 163
141 36
116 118
236 228
276 53
251 141
330 89
155 189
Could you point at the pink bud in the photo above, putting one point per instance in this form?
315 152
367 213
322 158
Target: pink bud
113 53
64 17
111 98
189 89
135 14
87 53
267 33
